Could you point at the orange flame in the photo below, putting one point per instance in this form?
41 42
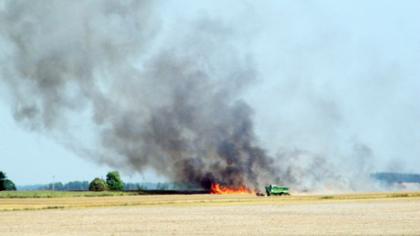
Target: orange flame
219 189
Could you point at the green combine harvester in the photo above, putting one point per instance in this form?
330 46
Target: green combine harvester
276 190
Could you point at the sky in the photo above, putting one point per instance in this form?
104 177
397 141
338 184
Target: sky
332 76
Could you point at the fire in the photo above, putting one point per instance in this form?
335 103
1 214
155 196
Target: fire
219 189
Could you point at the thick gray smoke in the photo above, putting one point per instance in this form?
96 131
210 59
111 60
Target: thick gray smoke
125 84
175 109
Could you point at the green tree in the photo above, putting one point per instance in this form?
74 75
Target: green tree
114 181
6 184
98 185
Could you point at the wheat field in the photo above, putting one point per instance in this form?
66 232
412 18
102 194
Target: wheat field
345 214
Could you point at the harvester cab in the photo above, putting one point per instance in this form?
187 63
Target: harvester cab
276 190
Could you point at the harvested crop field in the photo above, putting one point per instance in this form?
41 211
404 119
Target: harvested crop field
213 214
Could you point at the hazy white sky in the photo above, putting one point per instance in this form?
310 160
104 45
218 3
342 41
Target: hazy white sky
331 74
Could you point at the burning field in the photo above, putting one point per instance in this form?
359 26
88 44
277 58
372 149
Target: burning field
233 101
220 189
168 101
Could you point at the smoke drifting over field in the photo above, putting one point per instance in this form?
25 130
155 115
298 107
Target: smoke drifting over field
179 114
173 102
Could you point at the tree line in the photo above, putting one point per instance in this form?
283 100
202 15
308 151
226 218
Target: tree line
113 182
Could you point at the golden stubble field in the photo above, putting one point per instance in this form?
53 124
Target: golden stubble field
362 214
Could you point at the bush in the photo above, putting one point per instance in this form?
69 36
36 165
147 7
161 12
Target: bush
98 185
114 181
